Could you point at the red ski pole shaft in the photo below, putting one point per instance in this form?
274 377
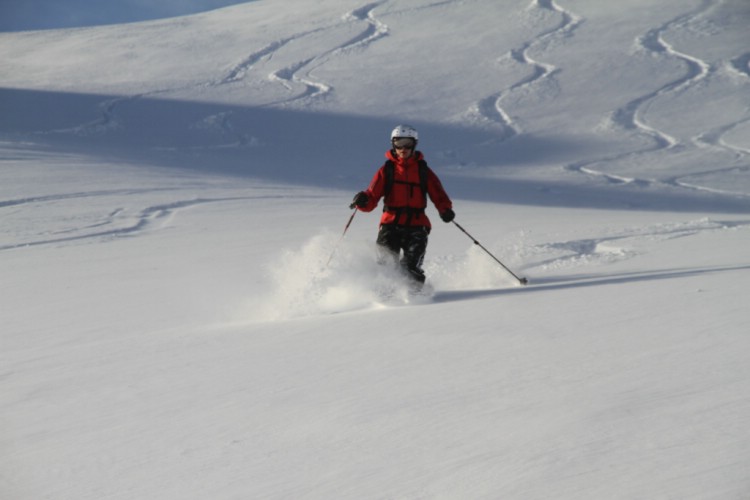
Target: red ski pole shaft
346 228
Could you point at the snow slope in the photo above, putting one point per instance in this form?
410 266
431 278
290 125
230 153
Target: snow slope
171 191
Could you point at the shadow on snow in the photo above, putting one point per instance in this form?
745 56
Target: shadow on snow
573 282
314 149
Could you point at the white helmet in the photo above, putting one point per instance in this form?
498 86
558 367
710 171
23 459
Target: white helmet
404 131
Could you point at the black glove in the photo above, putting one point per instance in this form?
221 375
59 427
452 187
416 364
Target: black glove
448 215
360 200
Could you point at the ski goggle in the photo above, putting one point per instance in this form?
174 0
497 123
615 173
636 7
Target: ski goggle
404 143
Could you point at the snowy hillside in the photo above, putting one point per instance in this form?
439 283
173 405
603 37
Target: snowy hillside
171 191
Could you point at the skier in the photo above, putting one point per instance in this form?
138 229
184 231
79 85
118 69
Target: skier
404 182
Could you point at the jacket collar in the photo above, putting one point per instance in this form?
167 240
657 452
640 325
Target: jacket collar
413 159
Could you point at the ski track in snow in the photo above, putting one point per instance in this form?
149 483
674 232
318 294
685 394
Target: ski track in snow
106 122
374 31
238 72
146 218
490 107
631 116
741 64
617 247
78 195
299 73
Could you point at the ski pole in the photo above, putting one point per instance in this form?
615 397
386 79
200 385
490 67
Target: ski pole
522 281
349 223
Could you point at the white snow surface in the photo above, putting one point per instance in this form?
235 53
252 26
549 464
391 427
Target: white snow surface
171 192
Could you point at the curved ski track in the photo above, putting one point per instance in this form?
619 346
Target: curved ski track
301 72
631 116
617 247
491 107
143 220
297 73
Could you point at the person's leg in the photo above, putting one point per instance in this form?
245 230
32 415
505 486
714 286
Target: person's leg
415 246
388 244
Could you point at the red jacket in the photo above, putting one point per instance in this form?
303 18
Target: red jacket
405 203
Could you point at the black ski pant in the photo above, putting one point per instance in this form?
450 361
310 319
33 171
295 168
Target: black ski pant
412 240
